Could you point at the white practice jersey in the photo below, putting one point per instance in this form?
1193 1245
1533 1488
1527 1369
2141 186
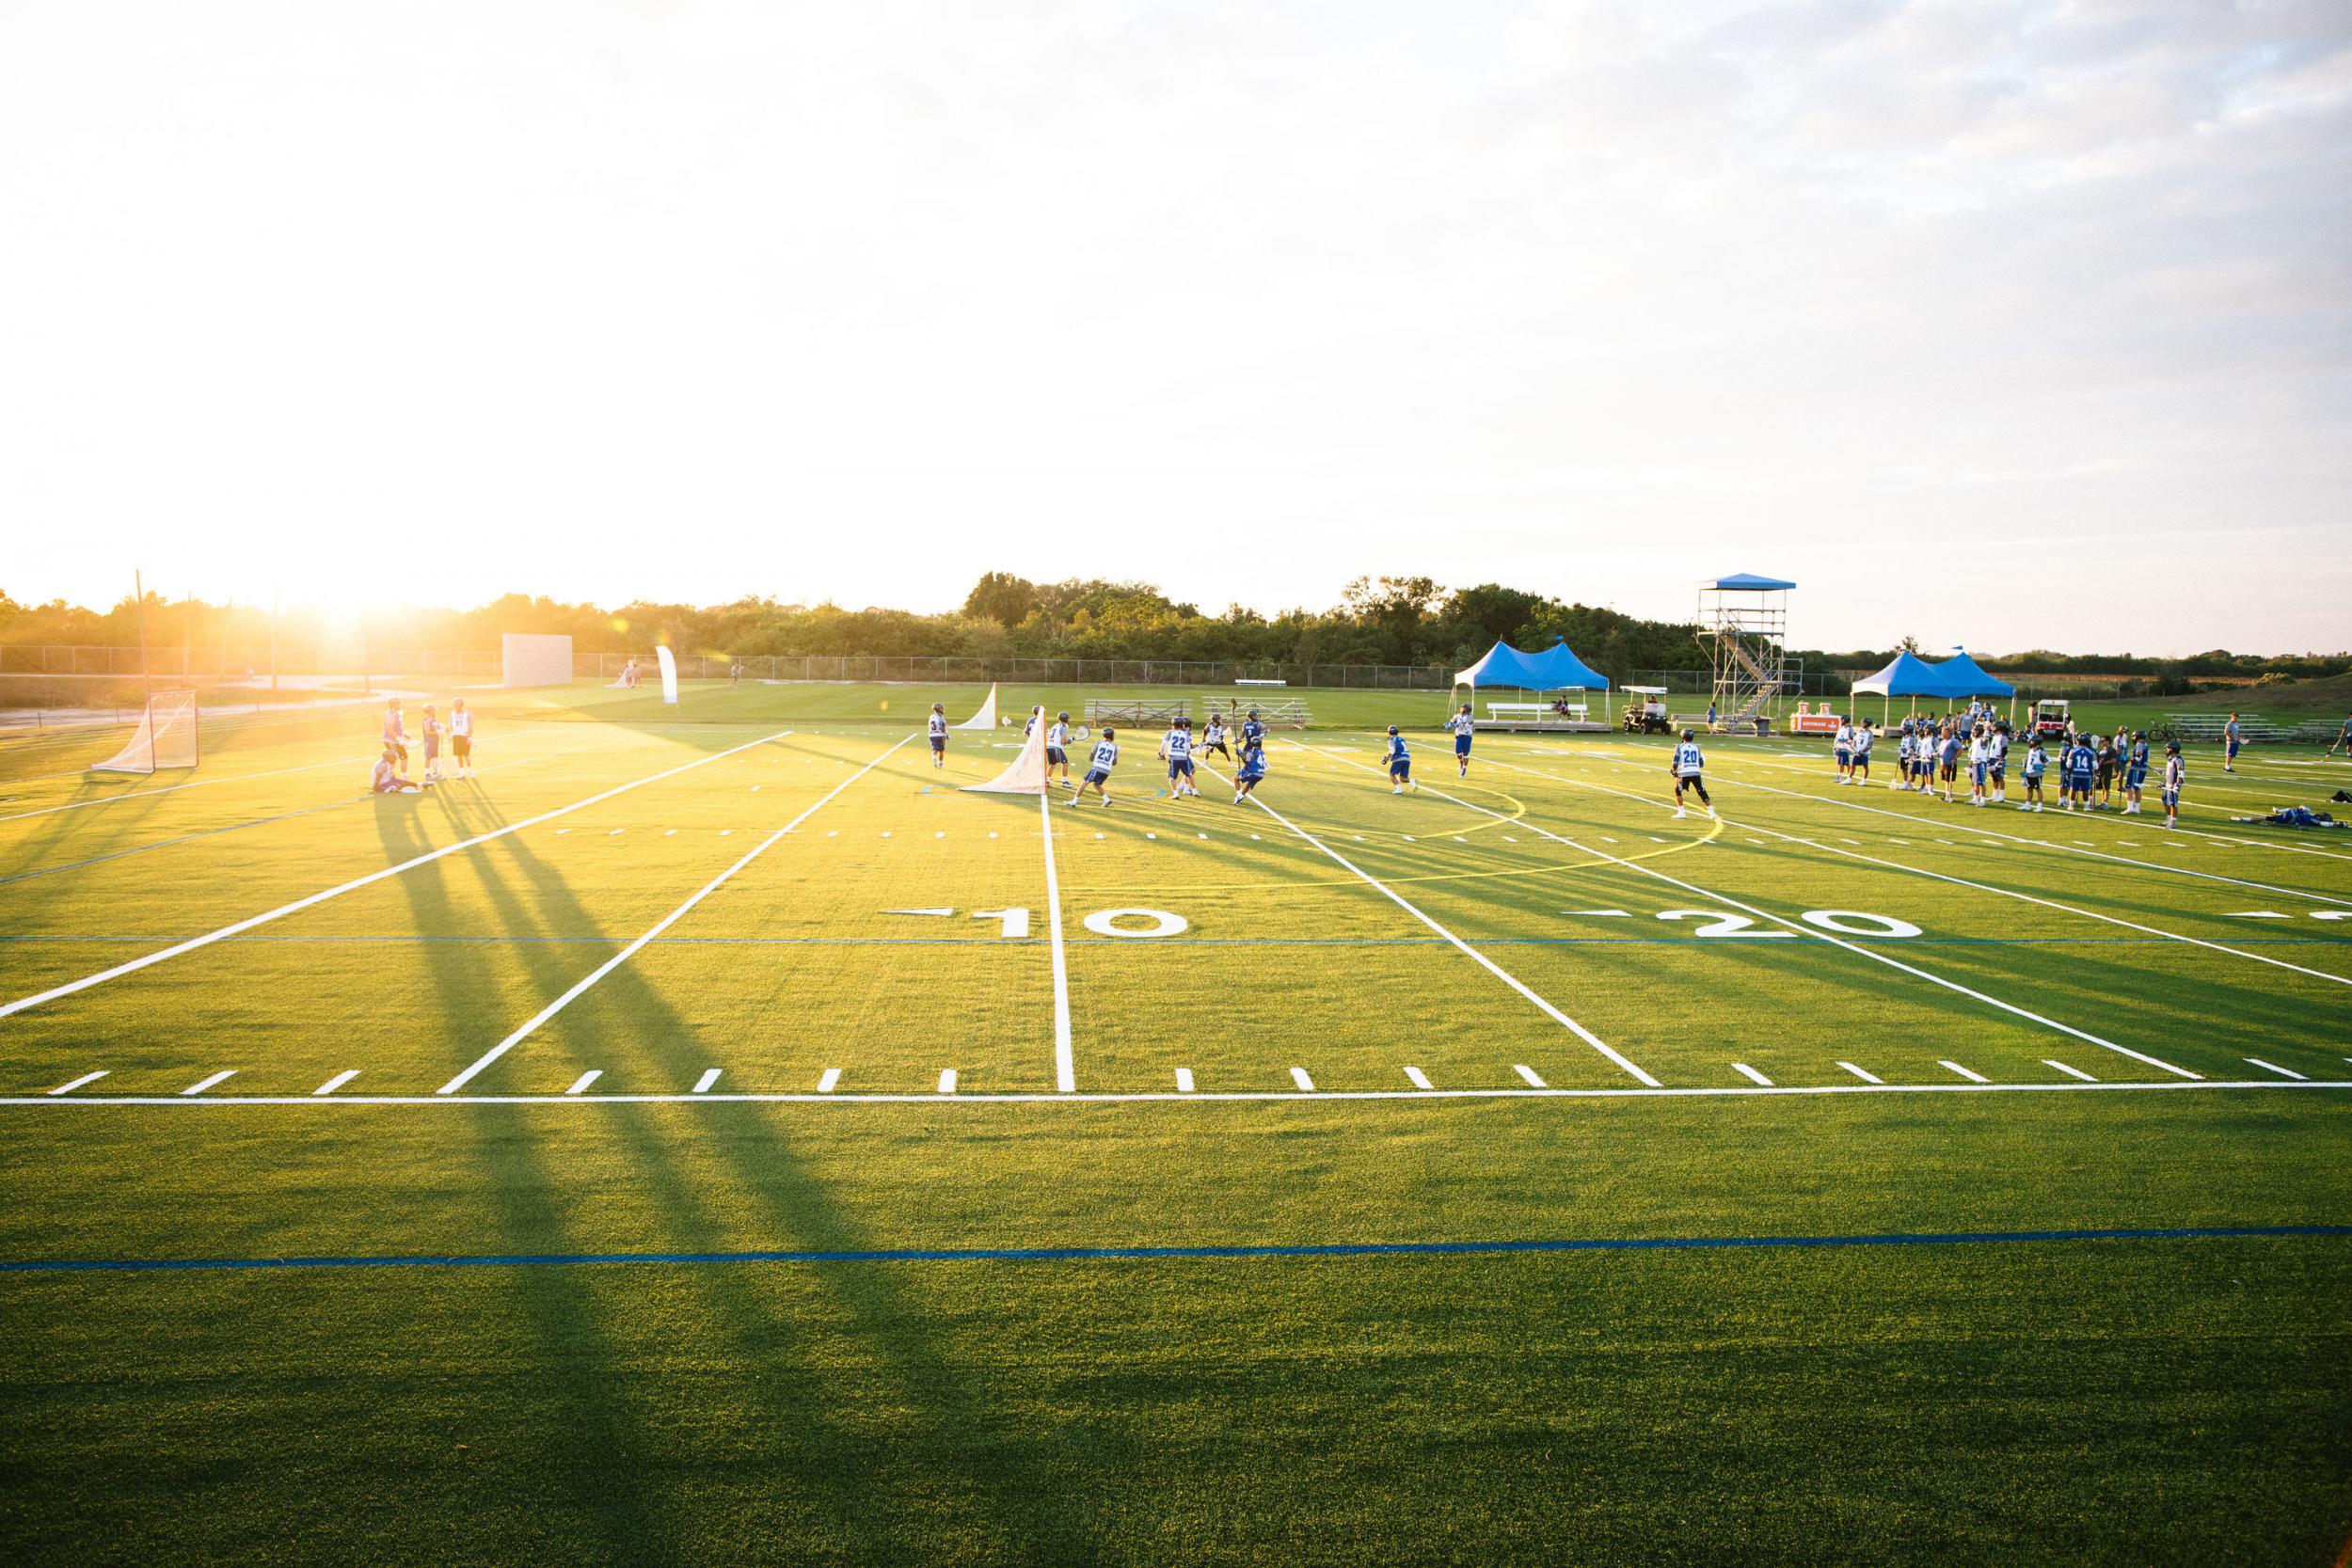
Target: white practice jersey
1105 755
939 724
1862 740
1461 723
1845 738
1688 759
1178 744
461 723
1058 736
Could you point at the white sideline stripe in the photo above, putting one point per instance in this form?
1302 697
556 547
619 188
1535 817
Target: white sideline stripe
1817 932
947 1080
337 1081
1865 1077
85 1078
357 883
203 1084
228 1102
826 1081
579 1085
1305 1084
1488 964
1418 1079
660 926
1751 1074
2281 1071
702 1085
1534 1083
1184 1081
2072 1071
1065 1057
1972 1077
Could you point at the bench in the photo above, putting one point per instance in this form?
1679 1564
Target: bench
1536 710
1125 711
1275 713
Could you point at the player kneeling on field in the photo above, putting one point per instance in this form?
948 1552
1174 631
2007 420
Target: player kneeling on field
386 778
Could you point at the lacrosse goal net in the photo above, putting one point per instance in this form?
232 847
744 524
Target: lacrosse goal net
166 737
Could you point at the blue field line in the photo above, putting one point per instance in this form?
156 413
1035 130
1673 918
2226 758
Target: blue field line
1160 1254
184 838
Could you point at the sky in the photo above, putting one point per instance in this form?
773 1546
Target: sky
2004 325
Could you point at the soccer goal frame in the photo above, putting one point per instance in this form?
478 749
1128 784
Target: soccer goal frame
167 736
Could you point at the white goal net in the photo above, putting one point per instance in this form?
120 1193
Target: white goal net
986 717
1026 773
166 737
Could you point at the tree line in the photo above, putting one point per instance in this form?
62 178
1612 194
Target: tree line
1387 620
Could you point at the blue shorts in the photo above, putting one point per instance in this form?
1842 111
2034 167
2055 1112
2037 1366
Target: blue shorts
1180 767
1096 775
1250 775
939 743
2172 798
1461 745
1056 757
1400 769
1861 760
1983 771
2000 769
2136 778
2233 746
2078 782
1844 756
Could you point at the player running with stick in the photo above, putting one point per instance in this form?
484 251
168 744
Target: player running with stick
1213 737
1176 751
1252 771
1688 765
1099 768
1057 747
1462 724
1399 764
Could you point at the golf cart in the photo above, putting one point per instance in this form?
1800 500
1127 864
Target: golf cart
1646 710
2051 716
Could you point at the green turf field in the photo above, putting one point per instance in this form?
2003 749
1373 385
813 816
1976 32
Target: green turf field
704 1139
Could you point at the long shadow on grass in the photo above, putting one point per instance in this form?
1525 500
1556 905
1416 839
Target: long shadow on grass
792 1207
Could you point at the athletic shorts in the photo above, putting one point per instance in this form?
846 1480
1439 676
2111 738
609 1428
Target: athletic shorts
2172 798
2233 746
461 746
1983 772
1247 776
2136 778
1844 756
1095 776
2000 769
432 750
1861 760
939 743
1400 770
2078 782
1461 745
1056 757
1179 767
1687 781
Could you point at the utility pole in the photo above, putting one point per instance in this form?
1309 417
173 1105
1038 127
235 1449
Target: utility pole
273 639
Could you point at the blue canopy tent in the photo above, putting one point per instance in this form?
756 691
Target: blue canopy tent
1909 676
1974 680
1555 669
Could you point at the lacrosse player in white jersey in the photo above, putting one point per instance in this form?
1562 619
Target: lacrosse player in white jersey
1099 768
1057 747
1688 764
939 735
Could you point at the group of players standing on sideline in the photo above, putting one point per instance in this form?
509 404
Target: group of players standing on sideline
1932 751
388 775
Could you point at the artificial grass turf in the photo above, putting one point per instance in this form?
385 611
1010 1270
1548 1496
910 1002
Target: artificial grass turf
2103 1401
2079 1400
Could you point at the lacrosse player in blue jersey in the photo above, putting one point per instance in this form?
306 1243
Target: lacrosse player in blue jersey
1399 764
1688 764
1097 772
1462 724
1252 771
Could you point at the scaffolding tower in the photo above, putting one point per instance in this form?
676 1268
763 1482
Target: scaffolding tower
1744 623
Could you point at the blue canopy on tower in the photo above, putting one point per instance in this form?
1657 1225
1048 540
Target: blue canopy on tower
1970 679
1750 583
1556 669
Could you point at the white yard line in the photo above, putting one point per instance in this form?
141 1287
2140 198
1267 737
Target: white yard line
1972 1077
231 1103
1305 1084
1536 1082
2069 1071
1473 954
1751 1074
702 1085
1065 1056
2281 1071
372 877
1184 1081
85 1078
337 1081
1865 1077
947 1080
353 763
579 988
203 1084
828 1079
1418 1079
1798 928
579 1085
